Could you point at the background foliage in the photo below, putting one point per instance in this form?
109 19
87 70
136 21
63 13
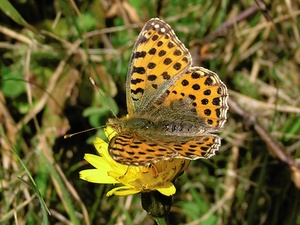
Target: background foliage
50 48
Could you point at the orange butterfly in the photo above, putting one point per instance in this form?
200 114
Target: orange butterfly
173 108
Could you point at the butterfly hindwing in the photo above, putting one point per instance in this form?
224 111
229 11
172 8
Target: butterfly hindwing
202 93
132 149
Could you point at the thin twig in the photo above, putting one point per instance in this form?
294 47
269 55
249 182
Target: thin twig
275 148
222 30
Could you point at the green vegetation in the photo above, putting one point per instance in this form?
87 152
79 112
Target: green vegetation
49 51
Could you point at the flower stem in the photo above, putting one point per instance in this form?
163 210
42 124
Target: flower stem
161 221
157 205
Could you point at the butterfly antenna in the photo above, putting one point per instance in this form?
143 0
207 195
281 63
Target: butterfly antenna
102 94
80 132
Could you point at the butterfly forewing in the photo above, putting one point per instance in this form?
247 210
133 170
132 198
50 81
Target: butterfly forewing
158 59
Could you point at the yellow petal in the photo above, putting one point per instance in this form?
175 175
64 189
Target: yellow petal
122 191
109 132
101 146
97 162
103 151
168 190
97 176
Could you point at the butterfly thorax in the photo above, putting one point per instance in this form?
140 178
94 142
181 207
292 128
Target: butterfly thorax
157 126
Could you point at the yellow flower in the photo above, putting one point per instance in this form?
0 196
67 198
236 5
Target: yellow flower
133 179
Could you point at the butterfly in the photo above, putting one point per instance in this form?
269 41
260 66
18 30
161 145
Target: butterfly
174 108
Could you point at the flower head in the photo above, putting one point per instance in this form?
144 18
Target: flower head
133 179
